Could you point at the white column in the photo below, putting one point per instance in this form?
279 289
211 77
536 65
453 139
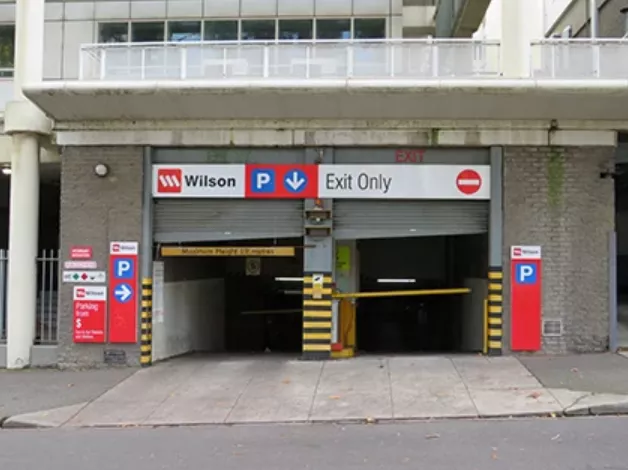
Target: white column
515 40
27 125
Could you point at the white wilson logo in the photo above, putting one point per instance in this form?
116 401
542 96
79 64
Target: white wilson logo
169 181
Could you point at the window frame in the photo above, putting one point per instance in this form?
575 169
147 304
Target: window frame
8 72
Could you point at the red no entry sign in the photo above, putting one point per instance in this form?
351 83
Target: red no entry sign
469 182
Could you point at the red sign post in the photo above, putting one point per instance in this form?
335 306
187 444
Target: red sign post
525 298
90 307
123 285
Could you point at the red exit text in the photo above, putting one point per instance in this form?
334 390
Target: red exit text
409 156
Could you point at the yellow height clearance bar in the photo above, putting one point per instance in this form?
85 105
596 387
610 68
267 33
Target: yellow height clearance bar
401 293
257 251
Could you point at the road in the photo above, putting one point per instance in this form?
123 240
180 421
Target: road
587 443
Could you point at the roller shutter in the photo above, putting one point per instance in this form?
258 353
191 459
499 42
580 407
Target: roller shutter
361 219
195 220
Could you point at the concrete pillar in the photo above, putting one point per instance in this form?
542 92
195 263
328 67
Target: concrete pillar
515 40
318 262
26 125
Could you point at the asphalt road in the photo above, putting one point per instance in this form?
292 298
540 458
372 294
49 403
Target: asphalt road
587 443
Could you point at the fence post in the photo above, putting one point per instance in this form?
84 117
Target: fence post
3 292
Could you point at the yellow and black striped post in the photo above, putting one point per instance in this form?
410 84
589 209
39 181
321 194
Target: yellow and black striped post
146 343
317 316
495 311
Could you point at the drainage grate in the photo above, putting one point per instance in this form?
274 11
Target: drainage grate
552 327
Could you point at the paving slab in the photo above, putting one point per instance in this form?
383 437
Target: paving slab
514 402
31 390
361 375
597 373
487 373
53 418
428 387
278 391
589 403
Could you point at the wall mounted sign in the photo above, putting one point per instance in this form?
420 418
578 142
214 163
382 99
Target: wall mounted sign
89 310
525 298
322 181
123 306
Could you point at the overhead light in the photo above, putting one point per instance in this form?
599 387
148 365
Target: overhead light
289 279
101 170
396 281
6 170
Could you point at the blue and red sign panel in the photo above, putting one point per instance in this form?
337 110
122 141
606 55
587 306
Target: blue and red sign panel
123 285
525 298
281 181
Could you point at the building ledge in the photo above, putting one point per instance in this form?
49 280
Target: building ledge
332 99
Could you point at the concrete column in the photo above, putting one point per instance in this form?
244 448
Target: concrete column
515 40
318 260
26 125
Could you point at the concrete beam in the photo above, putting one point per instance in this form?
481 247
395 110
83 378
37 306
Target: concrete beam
338 137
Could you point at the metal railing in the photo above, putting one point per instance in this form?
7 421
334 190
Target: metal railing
290 60
46 329
579 59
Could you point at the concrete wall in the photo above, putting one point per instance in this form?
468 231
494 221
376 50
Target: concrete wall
472 324
556 199
193 318
94 212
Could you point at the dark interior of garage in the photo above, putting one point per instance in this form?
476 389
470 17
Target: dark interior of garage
234 303
411 324
263 310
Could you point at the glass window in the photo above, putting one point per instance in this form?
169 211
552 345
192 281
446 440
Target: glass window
258 30
333 29
148 31
184 31
369 28
7 49
221 30
113 32
296 29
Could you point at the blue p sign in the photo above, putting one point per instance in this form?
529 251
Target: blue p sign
263 181
123 268
525 273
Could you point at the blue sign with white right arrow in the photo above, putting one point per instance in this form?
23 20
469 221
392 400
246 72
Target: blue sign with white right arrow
295 181
123 293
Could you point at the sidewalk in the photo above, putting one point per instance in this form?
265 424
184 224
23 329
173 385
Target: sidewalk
220 390
30 390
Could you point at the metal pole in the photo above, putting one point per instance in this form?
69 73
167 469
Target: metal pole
594 18
495 267
612 291
3 290
146 265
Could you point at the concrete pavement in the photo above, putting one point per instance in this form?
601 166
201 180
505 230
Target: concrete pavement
31 390
270 389
522 444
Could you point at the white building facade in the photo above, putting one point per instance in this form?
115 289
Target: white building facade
119 93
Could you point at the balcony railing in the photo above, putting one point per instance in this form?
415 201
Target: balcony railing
290 60
579 59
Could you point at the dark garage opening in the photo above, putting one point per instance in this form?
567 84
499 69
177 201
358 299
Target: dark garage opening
411 324
232 303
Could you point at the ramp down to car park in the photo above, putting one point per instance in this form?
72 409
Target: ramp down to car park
216 390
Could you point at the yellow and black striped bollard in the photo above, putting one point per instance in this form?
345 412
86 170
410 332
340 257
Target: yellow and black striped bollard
317 316
495 311
146 340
